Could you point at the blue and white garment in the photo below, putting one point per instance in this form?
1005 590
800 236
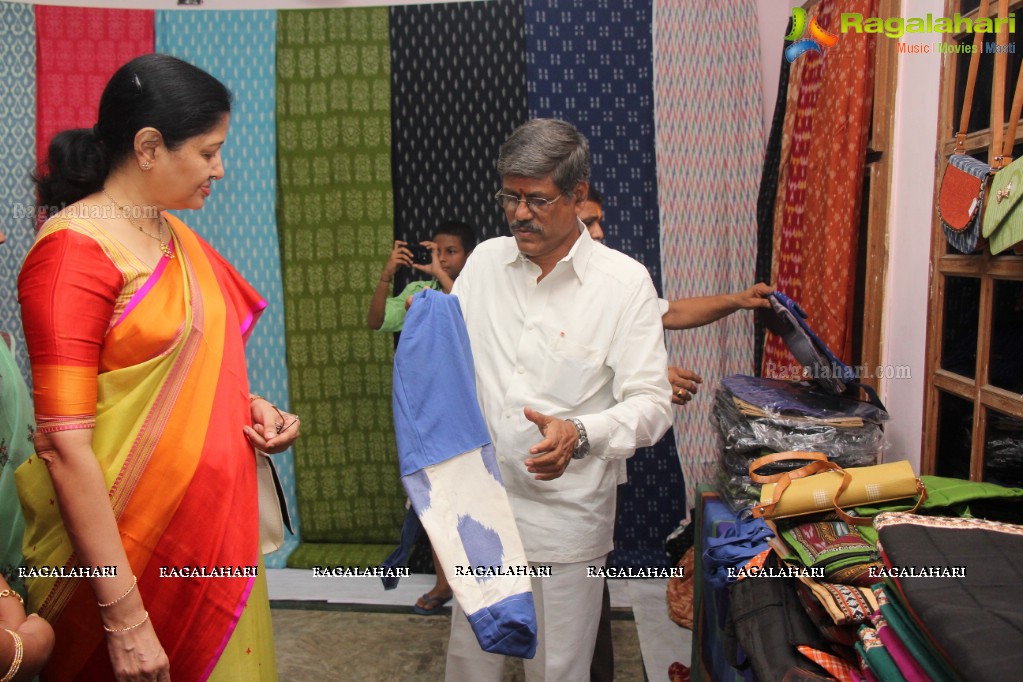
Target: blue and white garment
449 470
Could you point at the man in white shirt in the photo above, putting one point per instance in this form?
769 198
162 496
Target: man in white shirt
569 356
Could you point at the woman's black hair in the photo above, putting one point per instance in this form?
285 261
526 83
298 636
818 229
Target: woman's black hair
154 90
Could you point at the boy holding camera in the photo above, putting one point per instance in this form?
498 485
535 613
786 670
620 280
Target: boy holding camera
442 259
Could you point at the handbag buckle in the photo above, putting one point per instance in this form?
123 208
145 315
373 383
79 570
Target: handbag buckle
1004 193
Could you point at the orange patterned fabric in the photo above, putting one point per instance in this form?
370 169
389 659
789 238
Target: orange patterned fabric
816 244
839 668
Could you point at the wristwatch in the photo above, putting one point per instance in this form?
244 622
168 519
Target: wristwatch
582 446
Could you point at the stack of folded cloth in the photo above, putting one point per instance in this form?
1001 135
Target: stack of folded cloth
756 416
936 595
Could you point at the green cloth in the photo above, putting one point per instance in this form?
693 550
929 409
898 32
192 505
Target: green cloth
945 497
335 215
394 308
17 426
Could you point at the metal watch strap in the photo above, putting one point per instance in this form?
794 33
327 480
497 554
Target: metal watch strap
582 446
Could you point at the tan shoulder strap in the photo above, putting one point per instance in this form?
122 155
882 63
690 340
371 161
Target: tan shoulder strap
998 88
971 82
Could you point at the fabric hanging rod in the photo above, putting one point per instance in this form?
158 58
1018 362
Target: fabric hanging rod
230 4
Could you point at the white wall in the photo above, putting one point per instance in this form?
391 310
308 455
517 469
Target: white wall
909 236
773 17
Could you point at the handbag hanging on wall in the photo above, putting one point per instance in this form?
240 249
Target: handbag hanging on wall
965 182
1003 215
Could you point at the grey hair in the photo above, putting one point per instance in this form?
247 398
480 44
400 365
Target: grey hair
546 147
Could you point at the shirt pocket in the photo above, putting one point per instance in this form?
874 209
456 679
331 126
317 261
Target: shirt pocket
572 371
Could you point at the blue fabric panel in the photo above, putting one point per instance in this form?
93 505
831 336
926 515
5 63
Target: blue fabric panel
436 414
17 160
240 217
507 627
594 68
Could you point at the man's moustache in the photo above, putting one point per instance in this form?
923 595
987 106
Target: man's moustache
526 226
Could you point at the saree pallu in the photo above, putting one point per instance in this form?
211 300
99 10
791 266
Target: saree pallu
16 428
153 361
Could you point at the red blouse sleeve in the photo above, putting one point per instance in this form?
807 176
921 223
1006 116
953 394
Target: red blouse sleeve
67 290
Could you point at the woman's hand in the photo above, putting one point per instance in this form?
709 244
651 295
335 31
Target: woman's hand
137 655
272 430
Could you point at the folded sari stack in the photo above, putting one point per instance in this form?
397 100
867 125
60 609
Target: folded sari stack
756 416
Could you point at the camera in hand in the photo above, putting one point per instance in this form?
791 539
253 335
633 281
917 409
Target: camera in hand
420 254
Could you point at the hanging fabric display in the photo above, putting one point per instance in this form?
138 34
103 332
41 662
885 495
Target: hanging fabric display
240 218
707 235
17 137
334 203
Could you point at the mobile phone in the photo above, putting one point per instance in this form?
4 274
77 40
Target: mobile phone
420 254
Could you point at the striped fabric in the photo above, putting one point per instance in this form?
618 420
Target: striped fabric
334 155
594 69
240 217
709 130
17 160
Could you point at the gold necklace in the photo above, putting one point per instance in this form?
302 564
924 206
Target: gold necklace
125 213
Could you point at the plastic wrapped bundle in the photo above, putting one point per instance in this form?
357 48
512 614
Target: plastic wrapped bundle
757 416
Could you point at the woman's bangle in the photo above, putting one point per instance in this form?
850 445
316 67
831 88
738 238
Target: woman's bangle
134 582
385 281
253 397
130 627
12 593
19 652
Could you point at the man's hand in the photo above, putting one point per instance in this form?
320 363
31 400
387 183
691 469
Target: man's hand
754 297
684 384
555 450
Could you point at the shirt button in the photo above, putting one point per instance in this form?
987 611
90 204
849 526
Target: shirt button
521 370
530 327
501 459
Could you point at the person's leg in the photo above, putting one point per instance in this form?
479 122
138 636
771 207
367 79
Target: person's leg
438 595
568 612
466 661
602 667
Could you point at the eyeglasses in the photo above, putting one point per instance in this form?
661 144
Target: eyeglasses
283 425
510 202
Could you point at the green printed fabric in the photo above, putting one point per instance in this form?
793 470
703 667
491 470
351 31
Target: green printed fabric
336 221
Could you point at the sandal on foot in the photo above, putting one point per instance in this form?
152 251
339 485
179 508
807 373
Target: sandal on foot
432 604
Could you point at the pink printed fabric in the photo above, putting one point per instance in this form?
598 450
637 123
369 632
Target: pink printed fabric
78 50
709 151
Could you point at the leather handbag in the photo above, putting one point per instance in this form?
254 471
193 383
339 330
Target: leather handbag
273 505
823 485
965 182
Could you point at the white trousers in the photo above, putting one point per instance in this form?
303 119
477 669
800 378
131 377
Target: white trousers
567 614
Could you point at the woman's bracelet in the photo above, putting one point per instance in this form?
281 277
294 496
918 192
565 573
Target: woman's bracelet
130 627
19 652
134 583
12 593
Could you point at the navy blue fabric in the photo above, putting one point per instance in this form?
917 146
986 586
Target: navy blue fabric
411 528
436 413
507 627
594 68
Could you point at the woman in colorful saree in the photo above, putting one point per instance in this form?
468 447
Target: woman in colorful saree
141 519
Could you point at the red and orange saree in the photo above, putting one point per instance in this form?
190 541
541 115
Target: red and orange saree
153 362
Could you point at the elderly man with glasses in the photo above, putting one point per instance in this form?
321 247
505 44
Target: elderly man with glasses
569 357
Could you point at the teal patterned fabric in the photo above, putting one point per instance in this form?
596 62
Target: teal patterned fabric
240 217
17 160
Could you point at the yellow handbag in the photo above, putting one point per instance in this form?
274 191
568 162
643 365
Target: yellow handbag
823 485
